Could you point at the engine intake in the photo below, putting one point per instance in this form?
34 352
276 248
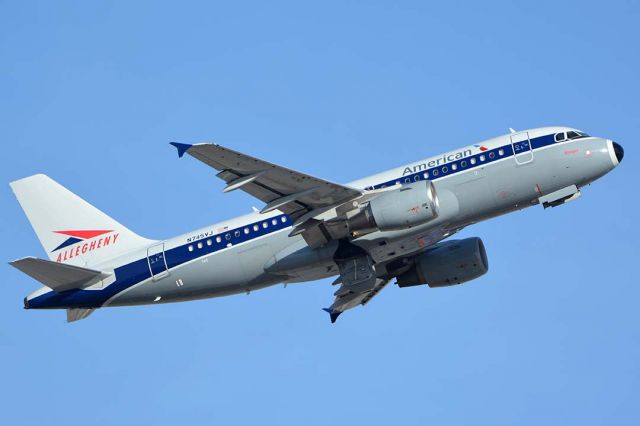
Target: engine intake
410 205
449 263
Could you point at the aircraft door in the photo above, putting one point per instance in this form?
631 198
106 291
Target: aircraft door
157 261
521 144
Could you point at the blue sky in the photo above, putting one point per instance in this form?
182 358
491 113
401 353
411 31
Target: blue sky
92 92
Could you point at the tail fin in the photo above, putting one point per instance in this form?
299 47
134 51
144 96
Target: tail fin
70 229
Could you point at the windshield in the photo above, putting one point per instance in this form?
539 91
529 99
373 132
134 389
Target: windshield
570 135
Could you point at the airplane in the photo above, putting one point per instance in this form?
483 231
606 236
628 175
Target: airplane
392 225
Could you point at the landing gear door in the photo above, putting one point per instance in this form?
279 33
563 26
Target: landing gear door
157 261
522 151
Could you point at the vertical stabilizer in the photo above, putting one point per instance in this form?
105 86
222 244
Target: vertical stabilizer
71 230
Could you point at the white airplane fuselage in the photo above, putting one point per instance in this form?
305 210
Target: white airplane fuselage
253 251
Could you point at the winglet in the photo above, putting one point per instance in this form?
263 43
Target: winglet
332 314
181 147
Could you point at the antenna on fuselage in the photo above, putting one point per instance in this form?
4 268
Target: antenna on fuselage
511 130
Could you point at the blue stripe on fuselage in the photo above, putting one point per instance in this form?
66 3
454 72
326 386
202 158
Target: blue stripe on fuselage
138 271
464 164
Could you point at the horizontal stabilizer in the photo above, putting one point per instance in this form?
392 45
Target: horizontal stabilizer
58 276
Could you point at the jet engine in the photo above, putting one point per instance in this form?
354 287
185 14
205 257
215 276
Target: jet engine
448 263
410 205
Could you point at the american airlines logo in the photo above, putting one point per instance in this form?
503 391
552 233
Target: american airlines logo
90 239
446 158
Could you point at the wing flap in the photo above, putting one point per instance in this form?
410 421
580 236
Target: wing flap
58 276
349 298
77 314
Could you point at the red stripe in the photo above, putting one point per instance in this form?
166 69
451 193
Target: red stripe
84 234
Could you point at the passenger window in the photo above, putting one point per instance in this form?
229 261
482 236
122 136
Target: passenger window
190 248
209 242
492 155
407 180
227 237
246 230
463 164
265 225
256 227
482 158
200 245
454 166
236 234
416 178
426 175
435 172
283 219
501 152
472 161
218 239
445 169
274 222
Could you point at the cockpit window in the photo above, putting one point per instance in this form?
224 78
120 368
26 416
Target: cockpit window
570 135
574 134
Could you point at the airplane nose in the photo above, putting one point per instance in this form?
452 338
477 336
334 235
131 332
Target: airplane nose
619 151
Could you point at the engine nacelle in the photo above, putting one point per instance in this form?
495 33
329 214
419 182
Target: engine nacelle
449 263
410 205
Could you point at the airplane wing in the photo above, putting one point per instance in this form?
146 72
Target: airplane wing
349 296
294 193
